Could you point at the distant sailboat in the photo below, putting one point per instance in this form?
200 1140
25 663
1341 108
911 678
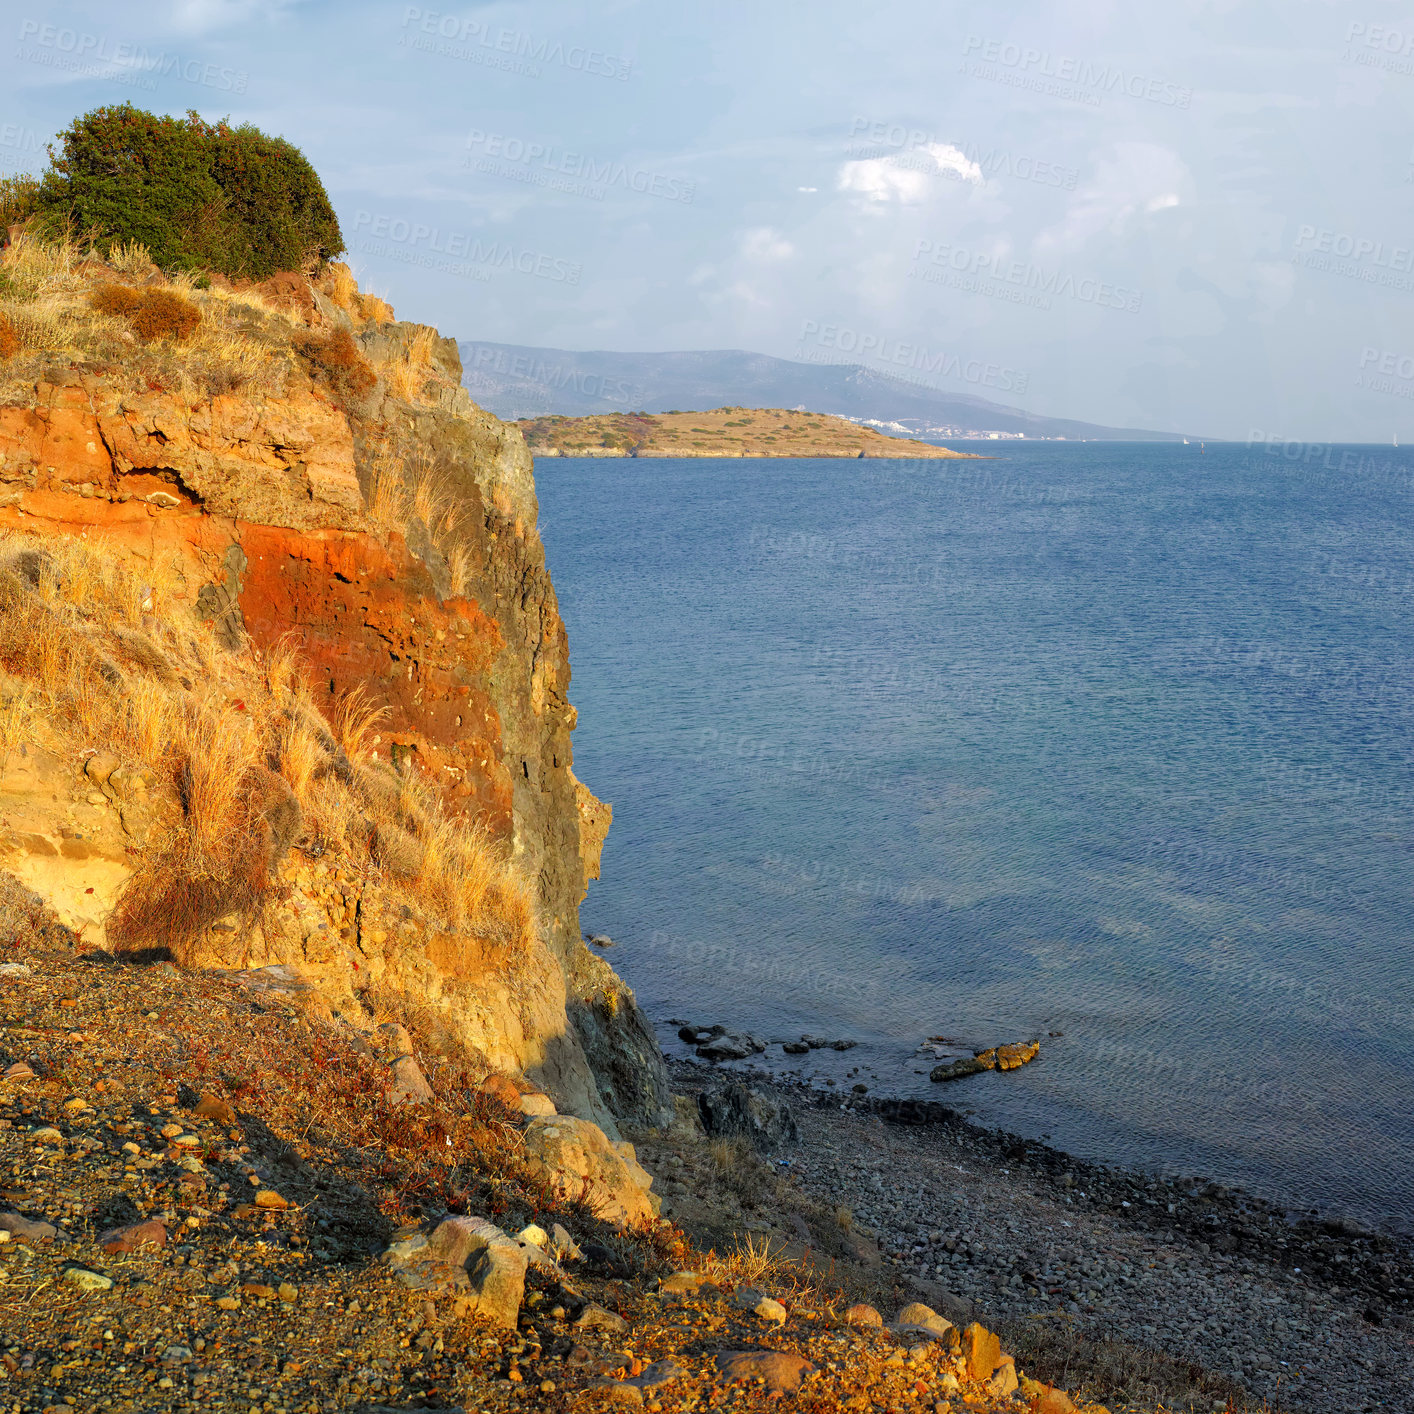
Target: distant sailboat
1185 441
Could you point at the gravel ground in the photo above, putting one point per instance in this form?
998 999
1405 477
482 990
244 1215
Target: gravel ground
1014 1239
216 1115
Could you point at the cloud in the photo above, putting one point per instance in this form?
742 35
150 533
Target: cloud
908 177
763 245
1131 181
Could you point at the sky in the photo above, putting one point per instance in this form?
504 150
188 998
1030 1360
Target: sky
1191 217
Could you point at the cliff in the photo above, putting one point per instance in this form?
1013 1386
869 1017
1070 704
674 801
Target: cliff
301 478
722 432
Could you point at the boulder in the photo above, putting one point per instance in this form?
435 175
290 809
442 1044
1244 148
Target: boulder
862 1315
578 1159
739 1109
467 1254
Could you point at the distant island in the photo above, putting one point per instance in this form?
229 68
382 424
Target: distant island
722 432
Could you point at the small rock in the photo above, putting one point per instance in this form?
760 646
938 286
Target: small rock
76 1105
502 1089
26 1230
770 1310
119 1240
596 1318
217 1110
536 1236
796 1048
862 1315
46 1135
1003 1383
616 1391
1057 1401
843 1045
267 1198
286 1292
228 1303
601 940
257 1290
958 1069
86 1280
20 1070
563 1248
15 969
534 1102
681 1283
924 1317
779 1371
1017 1054
660 1372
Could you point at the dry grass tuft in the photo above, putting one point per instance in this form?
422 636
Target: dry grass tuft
10 343
343 288
378 310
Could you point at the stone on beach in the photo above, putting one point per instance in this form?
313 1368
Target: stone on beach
740 1109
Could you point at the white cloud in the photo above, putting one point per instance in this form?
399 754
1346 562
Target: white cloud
908 176
764 245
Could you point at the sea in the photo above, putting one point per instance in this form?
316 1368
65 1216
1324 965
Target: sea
1106 744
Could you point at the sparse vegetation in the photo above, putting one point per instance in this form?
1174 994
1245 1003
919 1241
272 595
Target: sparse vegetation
151 314
726 431
244 765
336 359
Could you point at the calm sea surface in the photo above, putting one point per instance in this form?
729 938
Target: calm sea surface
1111 740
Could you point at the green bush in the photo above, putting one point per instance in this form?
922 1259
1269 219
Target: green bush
198 195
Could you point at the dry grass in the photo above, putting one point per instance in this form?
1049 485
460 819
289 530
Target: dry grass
98 656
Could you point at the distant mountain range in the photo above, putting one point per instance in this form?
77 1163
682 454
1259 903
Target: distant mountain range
517 381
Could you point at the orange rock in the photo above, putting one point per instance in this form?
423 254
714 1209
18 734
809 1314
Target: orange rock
982 1350
267 1198
861 1315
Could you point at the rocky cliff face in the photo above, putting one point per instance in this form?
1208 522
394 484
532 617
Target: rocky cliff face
389 533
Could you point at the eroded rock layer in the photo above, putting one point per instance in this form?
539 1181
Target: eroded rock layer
393 543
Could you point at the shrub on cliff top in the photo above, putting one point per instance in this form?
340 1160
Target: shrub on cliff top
153 314
197 195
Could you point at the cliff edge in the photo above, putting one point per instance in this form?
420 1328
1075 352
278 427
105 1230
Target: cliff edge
233 507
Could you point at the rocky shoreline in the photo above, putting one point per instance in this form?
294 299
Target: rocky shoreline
1306 1314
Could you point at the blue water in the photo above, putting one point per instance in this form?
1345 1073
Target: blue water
1111 740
